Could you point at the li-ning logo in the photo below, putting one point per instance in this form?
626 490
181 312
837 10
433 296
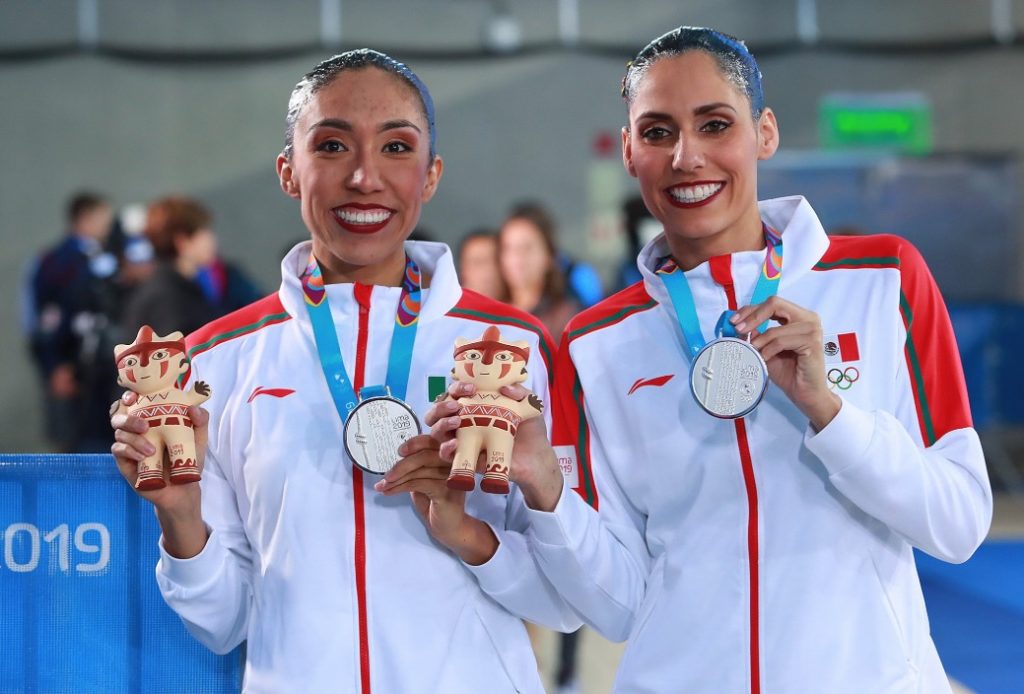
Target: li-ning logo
843 379
653 382
274 392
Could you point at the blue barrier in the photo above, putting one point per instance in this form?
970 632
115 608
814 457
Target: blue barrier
79 607
990 337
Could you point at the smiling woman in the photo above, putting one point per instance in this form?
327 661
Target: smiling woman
335 583
748 536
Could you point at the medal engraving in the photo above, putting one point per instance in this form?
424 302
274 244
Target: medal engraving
728 378
375 429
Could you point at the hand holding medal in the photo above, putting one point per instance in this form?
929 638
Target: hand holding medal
793 355
728 376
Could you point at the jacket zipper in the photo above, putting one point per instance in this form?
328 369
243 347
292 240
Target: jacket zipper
721 272
362 296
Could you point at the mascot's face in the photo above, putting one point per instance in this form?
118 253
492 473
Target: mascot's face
151 364
490 362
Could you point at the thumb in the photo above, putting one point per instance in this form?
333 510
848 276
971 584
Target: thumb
200 430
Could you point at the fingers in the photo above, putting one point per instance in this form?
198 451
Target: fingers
439 411
775 308
417 452
515 391
129 442
447 450
423 442
443 430
432 488
802 338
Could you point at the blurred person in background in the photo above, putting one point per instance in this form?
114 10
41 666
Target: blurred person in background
71 307
191 285
528 258
478 264
640 227
178 228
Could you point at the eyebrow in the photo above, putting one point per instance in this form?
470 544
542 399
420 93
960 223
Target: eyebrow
340 124
699 111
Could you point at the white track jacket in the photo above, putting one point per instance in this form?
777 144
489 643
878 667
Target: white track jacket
335 587
755 555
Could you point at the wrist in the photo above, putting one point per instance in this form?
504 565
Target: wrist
184 532
475 542
544 491
823 411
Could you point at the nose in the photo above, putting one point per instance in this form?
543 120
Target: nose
687 154
365 177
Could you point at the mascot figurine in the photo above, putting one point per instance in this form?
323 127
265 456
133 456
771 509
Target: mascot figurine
488 418
150 366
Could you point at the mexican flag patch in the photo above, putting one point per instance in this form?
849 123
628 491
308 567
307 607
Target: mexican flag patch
841 348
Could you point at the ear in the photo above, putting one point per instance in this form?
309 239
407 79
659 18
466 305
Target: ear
459 341
286 176
768 135
627 151
434 172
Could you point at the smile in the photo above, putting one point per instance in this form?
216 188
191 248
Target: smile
362 219
693 194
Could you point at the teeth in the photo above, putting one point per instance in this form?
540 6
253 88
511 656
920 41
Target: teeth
362 216
695 193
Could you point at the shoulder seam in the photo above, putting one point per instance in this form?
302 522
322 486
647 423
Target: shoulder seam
609 320
241 331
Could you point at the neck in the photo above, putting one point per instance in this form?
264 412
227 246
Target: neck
525 298
385 273
747 235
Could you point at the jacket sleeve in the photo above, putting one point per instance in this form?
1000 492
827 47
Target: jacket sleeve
920 470
212 592
513 577
599 563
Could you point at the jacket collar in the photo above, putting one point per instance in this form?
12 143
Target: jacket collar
435 262
804 238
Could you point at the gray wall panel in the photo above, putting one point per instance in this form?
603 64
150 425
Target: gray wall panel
29 23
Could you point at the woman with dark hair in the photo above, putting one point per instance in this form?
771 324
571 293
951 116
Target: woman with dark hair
748 536
183 241
478 264
286 543
528 257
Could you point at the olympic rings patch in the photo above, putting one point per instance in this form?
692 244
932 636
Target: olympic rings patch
843 379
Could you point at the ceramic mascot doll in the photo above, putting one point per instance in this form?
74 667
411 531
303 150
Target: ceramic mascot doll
150 366
488 418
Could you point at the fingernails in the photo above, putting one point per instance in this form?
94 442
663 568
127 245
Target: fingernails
741 326
452 422
734 317
403 449
149 449
380 486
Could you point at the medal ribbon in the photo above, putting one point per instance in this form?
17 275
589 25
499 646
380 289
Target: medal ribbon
329 351
682 298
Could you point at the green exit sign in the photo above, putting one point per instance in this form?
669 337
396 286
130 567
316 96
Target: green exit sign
896 121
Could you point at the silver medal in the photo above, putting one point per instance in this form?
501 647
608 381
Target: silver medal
728 378
375 429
